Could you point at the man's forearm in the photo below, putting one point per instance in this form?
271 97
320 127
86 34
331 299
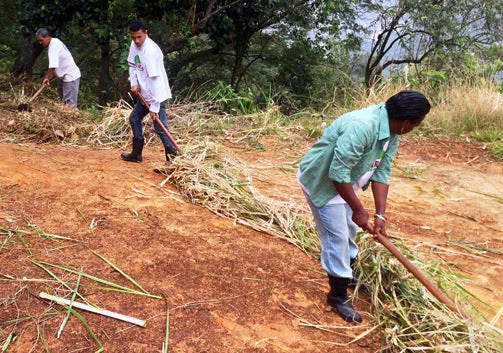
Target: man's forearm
380 192
347 192
50 74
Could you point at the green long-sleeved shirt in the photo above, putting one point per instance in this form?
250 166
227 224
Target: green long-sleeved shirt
349 148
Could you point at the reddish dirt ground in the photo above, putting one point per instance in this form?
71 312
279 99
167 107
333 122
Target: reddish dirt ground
228 288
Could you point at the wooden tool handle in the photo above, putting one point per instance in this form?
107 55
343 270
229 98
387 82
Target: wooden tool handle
36 94
159 122
418 274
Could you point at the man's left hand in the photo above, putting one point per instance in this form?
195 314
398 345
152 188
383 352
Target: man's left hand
154 116
379 226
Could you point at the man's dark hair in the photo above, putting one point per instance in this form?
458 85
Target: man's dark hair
136 25
407 105
42 32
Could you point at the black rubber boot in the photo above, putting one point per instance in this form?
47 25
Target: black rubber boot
338 298
135 155
170 152
353 282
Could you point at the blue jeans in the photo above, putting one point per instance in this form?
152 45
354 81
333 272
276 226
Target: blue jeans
337 233
136 118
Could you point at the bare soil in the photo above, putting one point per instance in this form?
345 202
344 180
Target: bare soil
228 288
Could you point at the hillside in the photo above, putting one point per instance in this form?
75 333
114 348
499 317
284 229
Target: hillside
228 288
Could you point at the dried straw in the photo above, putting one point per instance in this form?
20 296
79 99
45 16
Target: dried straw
211 176
410 318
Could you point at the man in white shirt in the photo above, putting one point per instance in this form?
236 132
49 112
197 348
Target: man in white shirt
62 65
148 77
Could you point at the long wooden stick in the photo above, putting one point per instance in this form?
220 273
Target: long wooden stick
36 94
63 301
159 122
418 274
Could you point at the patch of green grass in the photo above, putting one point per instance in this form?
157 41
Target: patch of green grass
494 141
488 136
410 172
496 150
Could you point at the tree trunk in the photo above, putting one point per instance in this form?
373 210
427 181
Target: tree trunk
29 52
104 72
240 48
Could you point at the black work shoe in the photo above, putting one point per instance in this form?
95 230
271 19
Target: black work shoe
355 282
162 169
344 308
131 157
135 155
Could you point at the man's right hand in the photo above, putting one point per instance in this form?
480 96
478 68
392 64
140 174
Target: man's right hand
361 218
135 89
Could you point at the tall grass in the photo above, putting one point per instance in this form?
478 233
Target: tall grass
459 110
467 109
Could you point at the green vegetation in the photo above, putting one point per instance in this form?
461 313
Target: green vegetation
300 54
462 111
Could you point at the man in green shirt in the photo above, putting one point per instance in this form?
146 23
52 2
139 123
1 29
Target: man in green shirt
354 151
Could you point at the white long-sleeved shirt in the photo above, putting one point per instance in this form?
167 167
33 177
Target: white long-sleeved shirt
146 69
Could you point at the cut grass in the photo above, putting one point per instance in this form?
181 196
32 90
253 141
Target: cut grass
111 286
410 318
214 178
165 344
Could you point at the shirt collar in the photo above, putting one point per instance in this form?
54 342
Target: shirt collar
384 132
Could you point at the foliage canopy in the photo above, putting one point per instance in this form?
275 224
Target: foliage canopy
298 51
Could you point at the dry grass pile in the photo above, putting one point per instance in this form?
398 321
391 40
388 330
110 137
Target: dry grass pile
52 121
410 317
113 130
49 120
211 176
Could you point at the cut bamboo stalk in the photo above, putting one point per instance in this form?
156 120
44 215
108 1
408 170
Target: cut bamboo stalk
63 301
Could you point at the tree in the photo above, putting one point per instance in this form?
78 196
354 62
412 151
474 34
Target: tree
409 31
241 33
204 40
106 21
31 15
